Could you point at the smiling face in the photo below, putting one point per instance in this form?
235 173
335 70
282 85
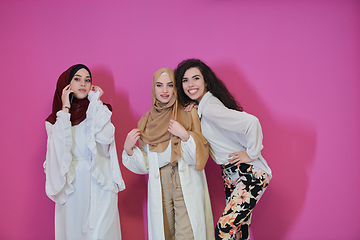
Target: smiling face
193 84
164 88
81 83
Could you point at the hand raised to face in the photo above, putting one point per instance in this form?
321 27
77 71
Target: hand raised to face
65 98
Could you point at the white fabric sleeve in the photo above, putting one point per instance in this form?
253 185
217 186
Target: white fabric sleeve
188 151
98 116
101 141
238 122
136 163
59 174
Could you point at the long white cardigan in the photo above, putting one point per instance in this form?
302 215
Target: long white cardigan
193 184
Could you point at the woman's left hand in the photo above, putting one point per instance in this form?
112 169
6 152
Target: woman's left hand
97 88
178 130
239 157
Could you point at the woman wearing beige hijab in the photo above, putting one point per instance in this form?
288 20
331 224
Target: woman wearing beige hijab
174 153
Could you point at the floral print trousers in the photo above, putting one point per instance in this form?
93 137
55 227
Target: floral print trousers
244 186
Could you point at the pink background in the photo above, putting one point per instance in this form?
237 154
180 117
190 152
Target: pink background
293 64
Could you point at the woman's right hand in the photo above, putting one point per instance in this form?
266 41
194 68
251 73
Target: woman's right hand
239 157
65 98
189 107
130 141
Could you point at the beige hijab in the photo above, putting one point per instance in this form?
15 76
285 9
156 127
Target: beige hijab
154 126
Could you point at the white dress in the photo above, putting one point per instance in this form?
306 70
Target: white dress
83 175
193 184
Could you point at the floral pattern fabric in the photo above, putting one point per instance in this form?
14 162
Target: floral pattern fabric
244 186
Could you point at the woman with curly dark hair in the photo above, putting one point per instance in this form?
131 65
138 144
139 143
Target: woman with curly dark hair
235 139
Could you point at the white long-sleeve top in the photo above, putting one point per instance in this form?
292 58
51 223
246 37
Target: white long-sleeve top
230 131
193 184
83 175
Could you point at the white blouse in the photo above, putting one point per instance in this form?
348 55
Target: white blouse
230 131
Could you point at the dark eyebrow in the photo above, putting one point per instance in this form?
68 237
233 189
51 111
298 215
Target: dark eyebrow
197 75
78 75
169 82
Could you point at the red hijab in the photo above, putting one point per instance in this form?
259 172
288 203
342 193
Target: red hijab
78 107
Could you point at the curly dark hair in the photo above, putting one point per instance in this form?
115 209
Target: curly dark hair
214 84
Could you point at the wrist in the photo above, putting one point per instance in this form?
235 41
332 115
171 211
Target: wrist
129 152
186 137
66 109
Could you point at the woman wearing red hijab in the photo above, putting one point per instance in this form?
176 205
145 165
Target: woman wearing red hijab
82 170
